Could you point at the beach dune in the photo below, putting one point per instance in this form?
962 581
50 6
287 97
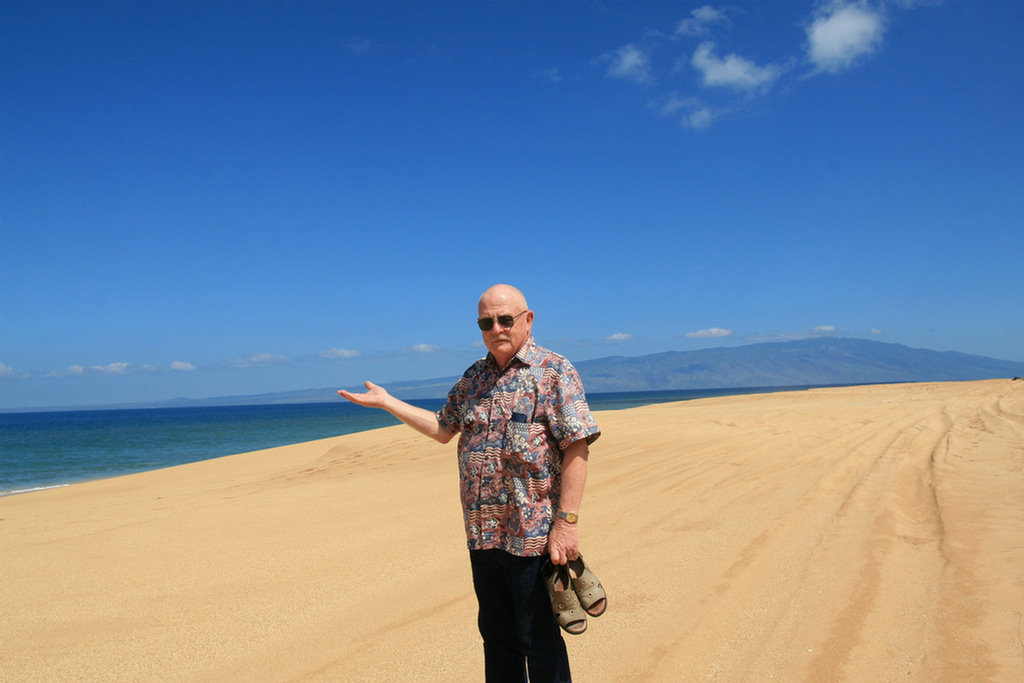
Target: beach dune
869 534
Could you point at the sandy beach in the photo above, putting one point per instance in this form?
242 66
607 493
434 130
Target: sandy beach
863 534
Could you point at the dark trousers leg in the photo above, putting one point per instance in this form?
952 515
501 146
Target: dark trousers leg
519 631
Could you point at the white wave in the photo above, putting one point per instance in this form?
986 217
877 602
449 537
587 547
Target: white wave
14 492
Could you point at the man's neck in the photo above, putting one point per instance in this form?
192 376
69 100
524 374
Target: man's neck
503 365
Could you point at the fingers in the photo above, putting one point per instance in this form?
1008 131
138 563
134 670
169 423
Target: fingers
370 387
563 555
373 397
355 398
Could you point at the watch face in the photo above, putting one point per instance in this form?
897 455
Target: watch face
570 517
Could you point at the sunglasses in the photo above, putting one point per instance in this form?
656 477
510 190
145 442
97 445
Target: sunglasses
505 321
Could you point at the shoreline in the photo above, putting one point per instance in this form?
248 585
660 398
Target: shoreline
856 533
350 420
16 492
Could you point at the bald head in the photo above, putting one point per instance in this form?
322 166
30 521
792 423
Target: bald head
502 294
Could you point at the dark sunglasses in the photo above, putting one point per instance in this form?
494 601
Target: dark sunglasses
505 321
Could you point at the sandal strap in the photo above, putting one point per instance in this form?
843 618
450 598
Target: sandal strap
587 586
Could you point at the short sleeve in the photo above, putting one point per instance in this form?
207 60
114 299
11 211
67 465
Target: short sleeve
448 415
571 419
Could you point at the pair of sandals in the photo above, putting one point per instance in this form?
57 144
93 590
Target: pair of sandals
575 592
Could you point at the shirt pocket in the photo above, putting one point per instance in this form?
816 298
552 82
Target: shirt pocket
525 445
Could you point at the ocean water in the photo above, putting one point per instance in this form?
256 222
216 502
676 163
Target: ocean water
48 449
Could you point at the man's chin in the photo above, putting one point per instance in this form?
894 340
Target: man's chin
501 346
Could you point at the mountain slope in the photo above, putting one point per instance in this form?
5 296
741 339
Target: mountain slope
808 362
823 360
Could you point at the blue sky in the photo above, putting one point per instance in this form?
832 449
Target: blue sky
215 198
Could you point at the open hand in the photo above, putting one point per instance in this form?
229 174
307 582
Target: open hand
373 397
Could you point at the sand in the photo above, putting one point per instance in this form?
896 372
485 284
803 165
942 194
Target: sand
845 534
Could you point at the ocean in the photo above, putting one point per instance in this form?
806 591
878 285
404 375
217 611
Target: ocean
41 450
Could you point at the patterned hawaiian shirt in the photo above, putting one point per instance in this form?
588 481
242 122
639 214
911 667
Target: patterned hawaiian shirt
513 426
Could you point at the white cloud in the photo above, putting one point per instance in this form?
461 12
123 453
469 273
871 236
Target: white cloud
359 46
700 20
426 348
111 368
875 330
258 359
552 75
619 336
630 63
692 111
182 366
841 34
698 118
8 372
732 71
819 331
339 353
81 370
710 332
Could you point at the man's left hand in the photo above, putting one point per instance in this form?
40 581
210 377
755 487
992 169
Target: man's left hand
563 542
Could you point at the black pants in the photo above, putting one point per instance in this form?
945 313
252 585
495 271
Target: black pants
519 630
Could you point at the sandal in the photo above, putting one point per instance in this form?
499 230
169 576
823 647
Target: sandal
564 603
589 590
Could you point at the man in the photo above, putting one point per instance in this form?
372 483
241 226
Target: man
524 428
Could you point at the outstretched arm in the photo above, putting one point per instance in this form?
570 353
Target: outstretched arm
420 419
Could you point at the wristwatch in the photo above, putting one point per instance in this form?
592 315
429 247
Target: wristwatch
570 517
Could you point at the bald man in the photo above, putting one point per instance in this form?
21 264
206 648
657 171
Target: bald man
524 429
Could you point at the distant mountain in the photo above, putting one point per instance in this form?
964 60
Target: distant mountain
807 362
822 360
414 389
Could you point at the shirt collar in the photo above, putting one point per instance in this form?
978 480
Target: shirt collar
529 352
